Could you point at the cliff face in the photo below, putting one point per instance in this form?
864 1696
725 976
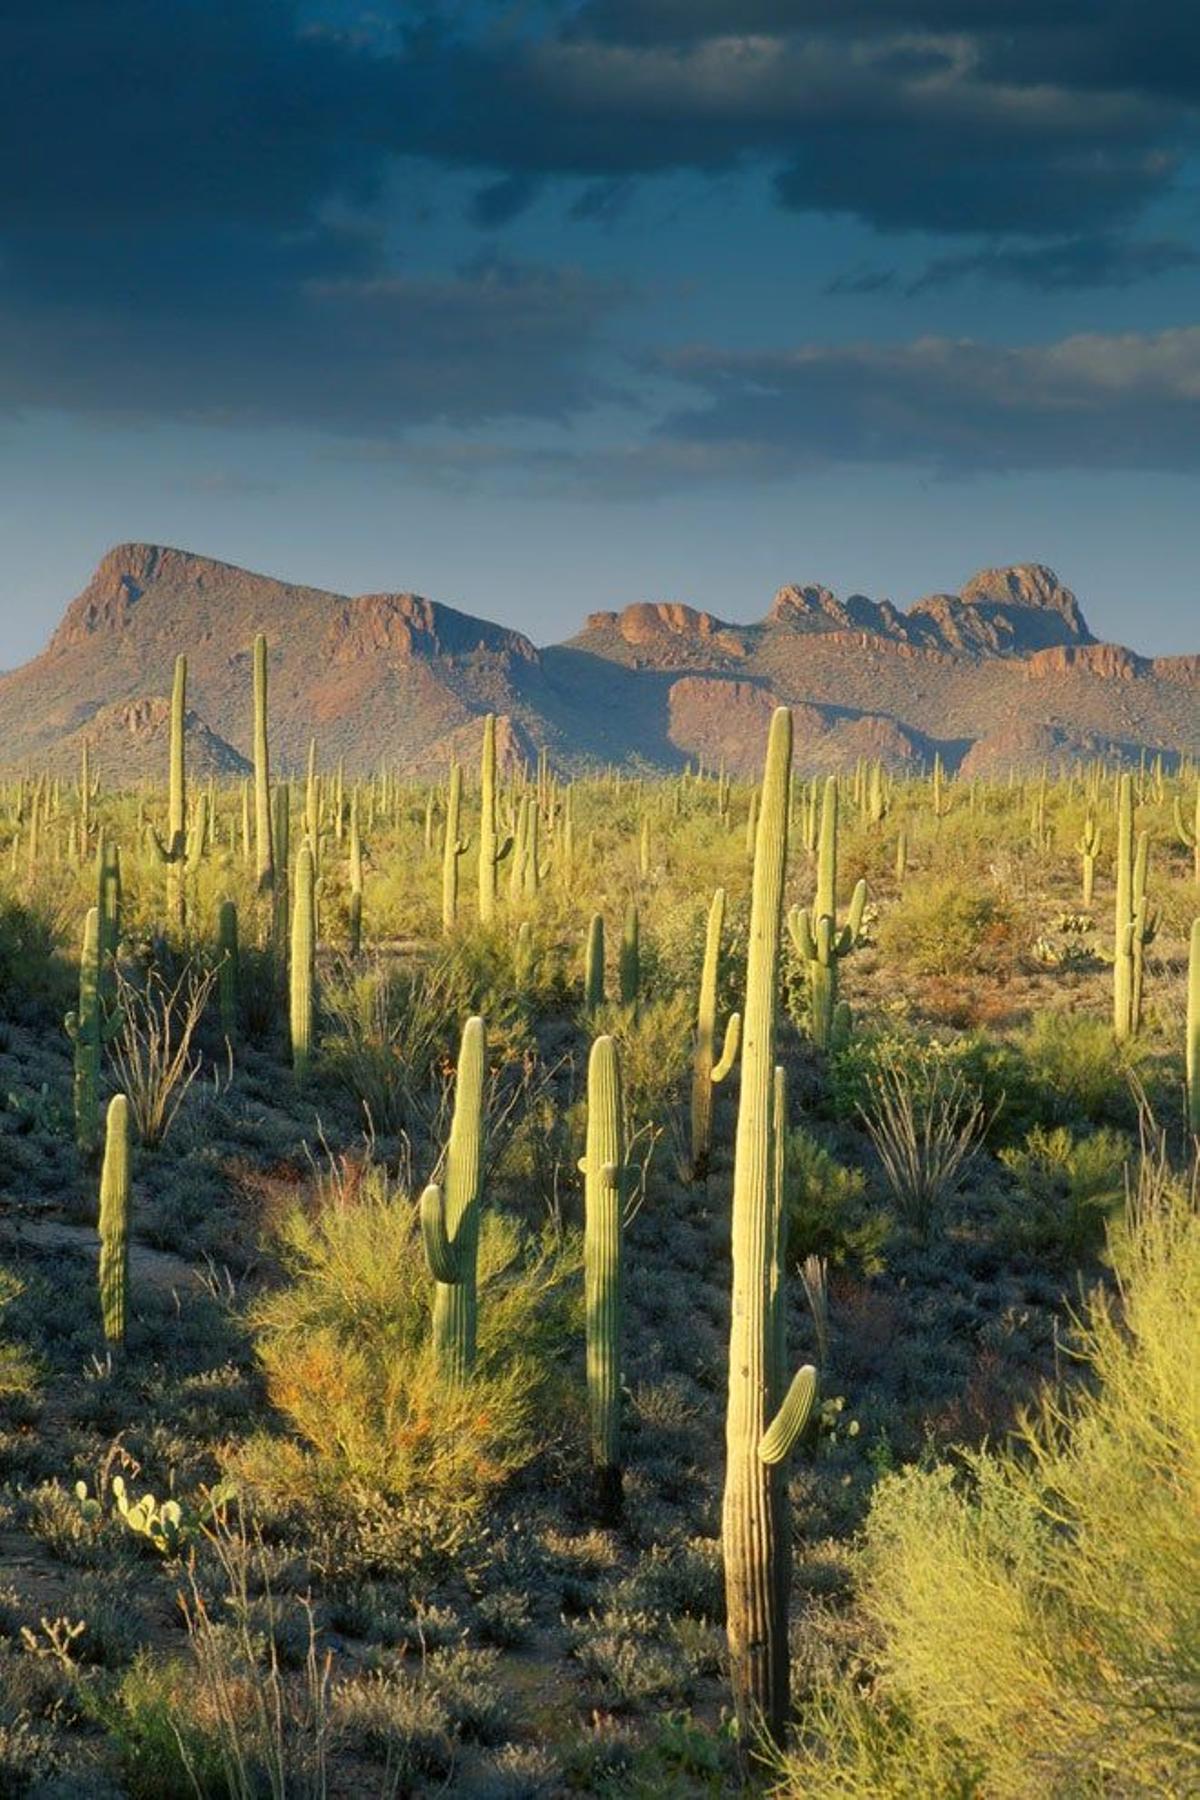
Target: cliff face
1007 671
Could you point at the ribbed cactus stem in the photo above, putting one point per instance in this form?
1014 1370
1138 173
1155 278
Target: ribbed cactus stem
303 961
629 962
88 1032
1189 835
603 1169
1123 914
450 1215
1192 1055
312 803
754 1526
818 941
355 876
114 1221
1088 848
454 847
227 969
593 965
706 1071
264 850
492 850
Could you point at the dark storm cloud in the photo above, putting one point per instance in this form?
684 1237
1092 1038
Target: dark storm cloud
1080 262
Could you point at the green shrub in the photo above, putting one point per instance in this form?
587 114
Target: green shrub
827 1213
1038 1622
941 927
1076 1071
1069 1190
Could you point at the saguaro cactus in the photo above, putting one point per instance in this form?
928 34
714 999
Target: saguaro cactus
593 965
89 1029
1189 835
1123 914
1143 931
114 1221
1192 1055
264 857
173 852
603 1170
450 1215
454 847
492 850
227 968
759 1431
1088 848
355 878
705 1070
629 962
303 961
816 936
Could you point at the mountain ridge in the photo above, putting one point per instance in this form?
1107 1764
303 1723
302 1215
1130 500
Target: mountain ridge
1006 667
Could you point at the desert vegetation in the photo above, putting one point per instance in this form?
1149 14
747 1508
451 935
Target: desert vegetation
525 1286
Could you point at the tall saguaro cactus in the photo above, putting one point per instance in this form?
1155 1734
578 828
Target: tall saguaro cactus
450 1215
173 852
820 943
227 968
114 1221
492 850
303 961
1123 914
355 878
1192 1052
264 860
1189 835
1088 848
454 847
707 1069
89 1029
759 1430
593 965
604 1192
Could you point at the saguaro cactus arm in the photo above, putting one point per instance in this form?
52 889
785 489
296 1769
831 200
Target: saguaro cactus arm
785 1429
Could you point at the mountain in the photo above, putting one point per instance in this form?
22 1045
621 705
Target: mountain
1005 672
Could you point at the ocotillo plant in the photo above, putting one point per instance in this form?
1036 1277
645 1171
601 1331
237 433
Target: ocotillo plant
492 850
303 961
454 846
114 1221
264 850
89 1029
450 1215
173 852
819 942
603 1170
355 904
227 969
1123 921
593 965
1088 848
1189 835
705 1071
1192 1053
629 961
759 1432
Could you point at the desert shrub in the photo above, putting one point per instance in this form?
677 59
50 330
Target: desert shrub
1076 1071
941 927
926 1122
153 1055
1038 1619
348 1358
656 1055
987 1066
18 1370
31 974
827 1211
1069 1189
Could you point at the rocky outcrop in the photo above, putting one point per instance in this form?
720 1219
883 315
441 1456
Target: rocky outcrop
1108 662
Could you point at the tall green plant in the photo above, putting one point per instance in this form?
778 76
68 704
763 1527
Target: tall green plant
603 1167
454 848
114 1221
707 1070
818 940
264 850
90 1028
492 849
303 961
450 1214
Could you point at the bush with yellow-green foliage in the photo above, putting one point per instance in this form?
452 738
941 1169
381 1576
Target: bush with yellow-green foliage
1036 1617
942 926
347 1350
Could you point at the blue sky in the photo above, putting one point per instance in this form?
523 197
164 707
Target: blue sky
541 308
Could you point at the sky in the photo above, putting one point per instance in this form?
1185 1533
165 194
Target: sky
554 305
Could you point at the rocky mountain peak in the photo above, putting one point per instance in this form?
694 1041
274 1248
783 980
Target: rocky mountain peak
1031 585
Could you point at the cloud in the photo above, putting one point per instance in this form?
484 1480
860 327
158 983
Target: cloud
1079 262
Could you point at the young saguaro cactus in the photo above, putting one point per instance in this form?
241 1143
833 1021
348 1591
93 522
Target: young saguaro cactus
264 855
603 1167
1189 835
707 1070
227 969
1192 1052
450 1215
114 1221
355 860
761 1423
629 960
492 850
1123 921
303 961
1089 848
174 851
593 965
89 1029
819 942
1144 928
454 847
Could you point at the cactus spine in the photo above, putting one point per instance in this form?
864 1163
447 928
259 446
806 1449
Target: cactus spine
89 1029
303 961
114 1221
816 936
450 1215
492 850
758 1432
264 858
603 1169
453 848
1192 1055
593 965
227 968
705 1071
